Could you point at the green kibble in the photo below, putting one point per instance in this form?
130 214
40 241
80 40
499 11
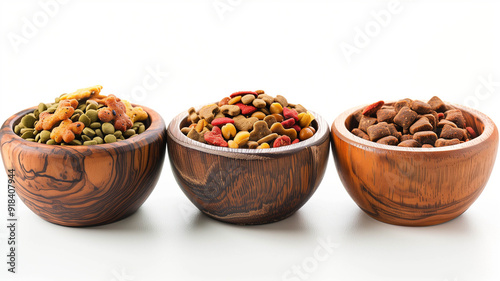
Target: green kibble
128 133
57 100
36 113
108 128
122 138
133 136
90 142
17 129
92 114
141 129
51 110
42 107
81 107
89 132
79 111
100 106
44 136
51 142
24 130
28 135
98 140
118 134
28 121
85 120
75 117
99 133
85 138
95 125
110 139
37 137
75 142
91 106
31 139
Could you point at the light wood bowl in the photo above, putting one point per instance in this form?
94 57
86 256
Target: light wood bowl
414 186
248 186
85 185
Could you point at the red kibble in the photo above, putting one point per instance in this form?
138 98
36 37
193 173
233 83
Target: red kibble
295 141
246 109
288 123
281 141
215 137
242 93
290 113
440 115
297 128
372 108
471 132
222 121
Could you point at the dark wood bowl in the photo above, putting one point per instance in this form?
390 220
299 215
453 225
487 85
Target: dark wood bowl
248 186
85 185
414 186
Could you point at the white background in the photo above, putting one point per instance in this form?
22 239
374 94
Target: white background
292 48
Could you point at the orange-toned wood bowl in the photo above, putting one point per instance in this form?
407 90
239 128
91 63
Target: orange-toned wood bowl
85 185
414 186
248 186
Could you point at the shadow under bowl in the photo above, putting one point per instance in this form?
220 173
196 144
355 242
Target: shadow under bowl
414 186
85 185
248 186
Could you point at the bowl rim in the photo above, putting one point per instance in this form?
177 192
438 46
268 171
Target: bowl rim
340 130
175 133
156 123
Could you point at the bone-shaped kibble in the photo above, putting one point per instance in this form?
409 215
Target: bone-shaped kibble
83 93
260 130
244 124
64 110
231 110
135 113
208 112
117 112
280 130
66 131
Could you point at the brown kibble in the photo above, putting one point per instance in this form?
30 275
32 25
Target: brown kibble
425 137
366 122
208 112
247 99
260 130
389 140
193 116
406 137
386 115
376 132
231 110
455 116
450 132
259 103
282 100
268 138
305 133
270 120
427 146
267 98
360 134
437 104
420 107
422 124
402 103
445 142
444 122
432 117
358 114
409 143
405 117
244 124
394 131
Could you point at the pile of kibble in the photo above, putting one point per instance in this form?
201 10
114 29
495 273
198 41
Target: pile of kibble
249 119
413 123
84 117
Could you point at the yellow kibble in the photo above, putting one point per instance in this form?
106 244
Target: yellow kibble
241 138
305 118
234 100
232 144
259 114
228 131
200 125
276 108
263 146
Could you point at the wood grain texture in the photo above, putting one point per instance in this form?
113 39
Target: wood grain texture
248 186
414 186
85 185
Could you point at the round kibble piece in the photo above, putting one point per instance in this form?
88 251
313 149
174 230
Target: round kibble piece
89 132
128 133
108 128
44 136
93 115
109 139
92 142
85 120
95 125
98 140
28 121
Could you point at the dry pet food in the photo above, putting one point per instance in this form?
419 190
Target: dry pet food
84 117
249 119
413 123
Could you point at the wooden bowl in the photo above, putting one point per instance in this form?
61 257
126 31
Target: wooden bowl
248 186
85 185
414 186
